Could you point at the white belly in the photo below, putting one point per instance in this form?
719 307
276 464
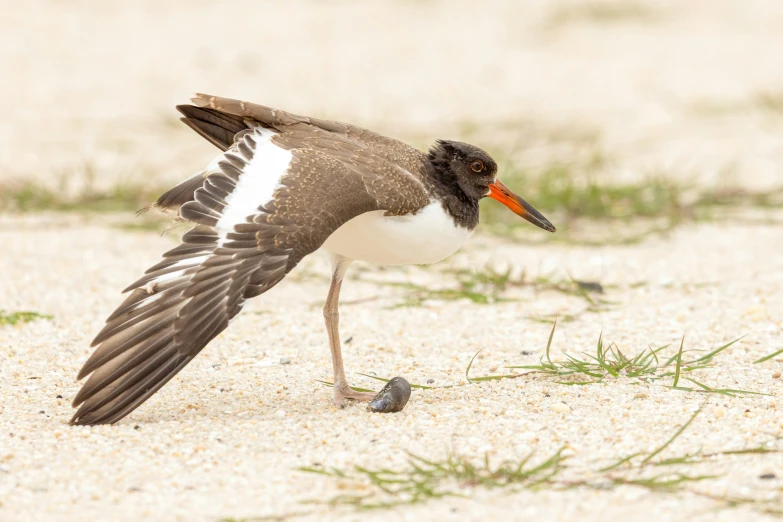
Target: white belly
420 239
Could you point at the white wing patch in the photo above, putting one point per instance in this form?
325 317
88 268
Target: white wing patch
258 179
258 182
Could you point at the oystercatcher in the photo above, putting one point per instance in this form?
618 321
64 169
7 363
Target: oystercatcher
283 187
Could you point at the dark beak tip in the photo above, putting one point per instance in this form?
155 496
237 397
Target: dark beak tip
544 224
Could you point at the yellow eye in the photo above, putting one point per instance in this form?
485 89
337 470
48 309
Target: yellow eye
477 166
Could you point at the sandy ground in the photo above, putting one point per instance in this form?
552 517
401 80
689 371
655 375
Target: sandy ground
224 437
686 89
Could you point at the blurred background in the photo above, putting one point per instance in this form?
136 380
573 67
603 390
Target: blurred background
598 109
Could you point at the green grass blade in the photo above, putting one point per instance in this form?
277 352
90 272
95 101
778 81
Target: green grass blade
730 392
467 370
599 349
705 358
382 379
354 388
619 462
549 342
673 437
768 357
679 364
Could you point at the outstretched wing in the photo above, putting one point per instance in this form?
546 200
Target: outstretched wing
226 115
272 198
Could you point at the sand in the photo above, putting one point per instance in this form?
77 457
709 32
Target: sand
224 437
687 91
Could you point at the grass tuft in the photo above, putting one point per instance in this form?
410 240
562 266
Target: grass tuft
14 318
76 191
490 285
424 479
644 366
608 362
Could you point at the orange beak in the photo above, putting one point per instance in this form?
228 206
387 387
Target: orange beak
518 206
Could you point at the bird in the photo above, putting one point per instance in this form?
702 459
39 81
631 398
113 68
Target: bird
282 187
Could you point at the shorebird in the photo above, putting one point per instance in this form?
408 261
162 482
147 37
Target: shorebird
283 187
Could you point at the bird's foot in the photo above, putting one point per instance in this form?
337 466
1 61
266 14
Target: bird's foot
342 392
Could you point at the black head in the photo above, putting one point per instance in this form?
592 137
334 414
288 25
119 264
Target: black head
466 166
471 174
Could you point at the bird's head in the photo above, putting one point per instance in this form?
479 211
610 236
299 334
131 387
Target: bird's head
476 173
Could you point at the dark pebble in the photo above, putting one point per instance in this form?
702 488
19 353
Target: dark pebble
392 398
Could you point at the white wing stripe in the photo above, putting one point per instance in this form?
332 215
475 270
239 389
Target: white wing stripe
257 184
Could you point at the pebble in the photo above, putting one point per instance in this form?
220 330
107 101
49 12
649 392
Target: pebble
280 414
560 407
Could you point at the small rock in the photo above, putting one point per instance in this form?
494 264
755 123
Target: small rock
525 352
767 476
280 414
560 407
430 381
718 412
776 375
285 360
392 398
640 395
59 397
348 341
41 412
591 286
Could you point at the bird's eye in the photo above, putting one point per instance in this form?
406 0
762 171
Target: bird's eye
477 166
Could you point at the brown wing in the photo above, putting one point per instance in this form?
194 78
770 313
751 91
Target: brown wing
188 298
226 110
223 122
